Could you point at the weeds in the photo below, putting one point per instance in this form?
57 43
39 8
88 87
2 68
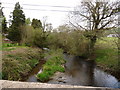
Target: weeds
107 54
19 62
52 65
10 44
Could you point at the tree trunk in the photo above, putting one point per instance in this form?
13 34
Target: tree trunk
91 46
118 55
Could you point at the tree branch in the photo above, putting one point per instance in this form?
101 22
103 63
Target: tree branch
81 27
73 25
105 24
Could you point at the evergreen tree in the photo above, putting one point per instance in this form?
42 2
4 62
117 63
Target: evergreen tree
27 21
1 18
4 26
36 23
18 21
1 12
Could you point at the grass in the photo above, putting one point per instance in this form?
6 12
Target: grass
18 62
11 46
107 54
53 64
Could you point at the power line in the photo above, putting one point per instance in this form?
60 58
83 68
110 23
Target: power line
40 5
41 9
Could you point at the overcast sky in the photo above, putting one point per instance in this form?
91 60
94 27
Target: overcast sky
54 17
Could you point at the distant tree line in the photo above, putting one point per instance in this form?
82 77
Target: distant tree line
18 29
97 17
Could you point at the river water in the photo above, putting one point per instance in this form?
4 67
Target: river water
35 71
79 72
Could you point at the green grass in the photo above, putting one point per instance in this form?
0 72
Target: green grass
11 46
107 53
17 63
52 65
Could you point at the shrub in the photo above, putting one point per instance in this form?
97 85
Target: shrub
27 35
40 38
34 37
72 42
107 54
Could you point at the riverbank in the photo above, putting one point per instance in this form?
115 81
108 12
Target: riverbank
106 53
18 61
54 63
79 71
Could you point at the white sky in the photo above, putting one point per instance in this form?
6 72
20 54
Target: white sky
56 18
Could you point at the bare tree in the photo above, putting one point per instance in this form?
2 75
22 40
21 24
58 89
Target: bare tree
49 27
44 21
94 18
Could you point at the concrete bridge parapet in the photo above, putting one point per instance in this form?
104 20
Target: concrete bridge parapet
28 85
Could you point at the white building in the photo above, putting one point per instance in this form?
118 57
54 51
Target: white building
112 35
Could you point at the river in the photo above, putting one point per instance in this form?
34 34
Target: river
32 76
79 72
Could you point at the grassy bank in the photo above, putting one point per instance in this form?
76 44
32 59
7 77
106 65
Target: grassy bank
18 61
53 64
107 54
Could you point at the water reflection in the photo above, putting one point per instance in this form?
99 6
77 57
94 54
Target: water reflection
85 73
81 71
103 79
